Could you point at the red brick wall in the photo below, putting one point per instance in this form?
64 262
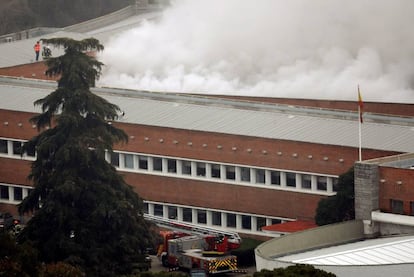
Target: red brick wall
241 156
224 196
14 171
390 189
13 128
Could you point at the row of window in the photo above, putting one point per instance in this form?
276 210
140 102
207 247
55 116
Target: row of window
246 223
13 194
397 207
13 147
218 172
221 172
222 219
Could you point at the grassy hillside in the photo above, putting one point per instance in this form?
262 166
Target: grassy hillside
17 15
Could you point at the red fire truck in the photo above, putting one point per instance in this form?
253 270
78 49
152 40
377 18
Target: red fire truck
190 247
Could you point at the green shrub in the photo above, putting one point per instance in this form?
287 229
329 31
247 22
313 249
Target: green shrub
294 271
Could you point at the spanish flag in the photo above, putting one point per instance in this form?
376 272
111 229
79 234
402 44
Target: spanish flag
360 105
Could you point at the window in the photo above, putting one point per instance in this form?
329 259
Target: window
18 193
31 152
201 169
201 216
246 222
157 163
397 206
17 148
143 162
172 165
187 215
158 210
172 212
275 178
260 176
216 217
115 159
335 184
411 207
3 146
261 222
129 161
291 179
230 172
245 174
186 167
276 221
322 183
306 181
215 171
146 209
231 220
4 192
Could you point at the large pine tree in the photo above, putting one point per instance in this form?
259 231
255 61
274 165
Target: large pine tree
83 211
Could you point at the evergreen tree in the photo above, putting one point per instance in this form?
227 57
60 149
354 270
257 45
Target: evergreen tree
339 207
83 211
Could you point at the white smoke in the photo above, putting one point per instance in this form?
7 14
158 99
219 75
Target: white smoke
319 49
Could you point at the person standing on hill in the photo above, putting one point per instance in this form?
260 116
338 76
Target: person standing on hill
37 49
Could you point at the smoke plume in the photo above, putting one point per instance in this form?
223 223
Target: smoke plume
315 49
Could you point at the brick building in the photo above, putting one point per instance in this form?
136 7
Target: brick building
237 163
233 163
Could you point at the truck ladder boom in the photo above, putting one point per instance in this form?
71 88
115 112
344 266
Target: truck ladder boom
190 228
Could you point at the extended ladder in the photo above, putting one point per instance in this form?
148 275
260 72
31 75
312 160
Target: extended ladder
192 228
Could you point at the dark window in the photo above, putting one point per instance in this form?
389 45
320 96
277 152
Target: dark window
215 171
157 163
290 179
17 147
335 184
143 162
31 152
231 220
158 210
216 218
18 194
245 174
129 160
322 183
306 181
260 176
246 222
276 221
275 178
261 222
187 215
397 206
411 207
146 208
172 165
4 192
201 216
230 172
201 169
115 159
186 167
172 212
3 146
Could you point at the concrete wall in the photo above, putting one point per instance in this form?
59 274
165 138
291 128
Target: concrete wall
366 190
266 254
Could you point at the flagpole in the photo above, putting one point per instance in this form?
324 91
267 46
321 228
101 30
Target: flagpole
360 105
360 134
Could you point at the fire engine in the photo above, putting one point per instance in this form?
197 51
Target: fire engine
190 246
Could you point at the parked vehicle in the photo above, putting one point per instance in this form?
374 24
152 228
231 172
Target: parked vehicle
191 247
